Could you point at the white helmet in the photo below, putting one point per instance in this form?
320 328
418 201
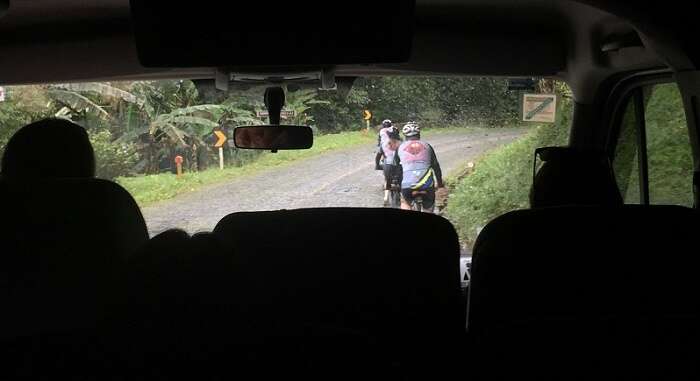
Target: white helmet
411 129
386 123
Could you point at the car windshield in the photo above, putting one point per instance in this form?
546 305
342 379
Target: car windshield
169 143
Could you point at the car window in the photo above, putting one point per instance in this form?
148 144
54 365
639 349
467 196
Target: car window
656 120
170 144
668 147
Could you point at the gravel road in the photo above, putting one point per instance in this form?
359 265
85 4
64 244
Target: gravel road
339 178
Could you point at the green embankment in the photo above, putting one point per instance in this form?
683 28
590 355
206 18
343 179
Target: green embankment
502 178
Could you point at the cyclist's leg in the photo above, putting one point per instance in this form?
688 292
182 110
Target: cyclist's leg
396 187
377 158
388 175
406 199
387 182
429 201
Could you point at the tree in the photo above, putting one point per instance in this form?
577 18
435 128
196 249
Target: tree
193 121
113 159
300 102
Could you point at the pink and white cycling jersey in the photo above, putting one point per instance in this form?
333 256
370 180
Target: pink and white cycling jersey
385 146
384 135
389 151
416 158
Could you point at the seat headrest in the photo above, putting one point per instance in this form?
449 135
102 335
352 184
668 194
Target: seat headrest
578 261
326 242
64 242
573 177
360 261
98 217
49 148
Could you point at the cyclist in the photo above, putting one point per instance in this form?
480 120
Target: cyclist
391 171
382 137
421 169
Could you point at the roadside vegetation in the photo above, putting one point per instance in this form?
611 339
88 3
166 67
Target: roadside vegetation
501 179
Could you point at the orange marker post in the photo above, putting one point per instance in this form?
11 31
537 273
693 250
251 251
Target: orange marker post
178 163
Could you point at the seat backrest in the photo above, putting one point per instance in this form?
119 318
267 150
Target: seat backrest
49 148
572 176
385 273
177 318
595 288
64 242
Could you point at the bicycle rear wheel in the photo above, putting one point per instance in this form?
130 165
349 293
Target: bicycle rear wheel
395 199
418 204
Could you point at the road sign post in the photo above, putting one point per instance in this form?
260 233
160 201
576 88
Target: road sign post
367 116
220 145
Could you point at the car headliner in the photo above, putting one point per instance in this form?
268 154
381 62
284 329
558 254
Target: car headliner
75 40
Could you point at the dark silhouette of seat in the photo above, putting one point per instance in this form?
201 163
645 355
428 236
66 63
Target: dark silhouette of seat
64 245
586 292
572 176
177 313
379 280
65 237
49 148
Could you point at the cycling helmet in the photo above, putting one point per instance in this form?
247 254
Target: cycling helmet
386 123
411 129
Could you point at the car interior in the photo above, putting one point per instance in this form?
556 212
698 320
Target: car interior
584 284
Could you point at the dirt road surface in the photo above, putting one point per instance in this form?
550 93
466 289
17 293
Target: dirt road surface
340 178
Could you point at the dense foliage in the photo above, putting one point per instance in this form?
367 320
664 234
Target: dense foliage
113 158
435 101
139 127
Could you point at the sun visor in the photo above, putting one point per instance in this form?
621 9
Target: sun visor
209 33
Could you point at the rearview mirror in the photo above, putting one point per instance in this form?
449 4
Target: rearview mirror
273 137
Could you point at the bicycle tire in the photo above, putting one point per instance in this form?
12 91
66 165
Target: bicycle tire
418 205
395 199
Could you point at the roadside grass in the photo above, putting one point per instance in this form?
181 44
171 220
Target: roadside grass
501 179
149 189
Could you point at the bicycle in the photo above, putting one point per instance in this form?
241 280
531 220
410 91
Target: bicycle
395 192
417 203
